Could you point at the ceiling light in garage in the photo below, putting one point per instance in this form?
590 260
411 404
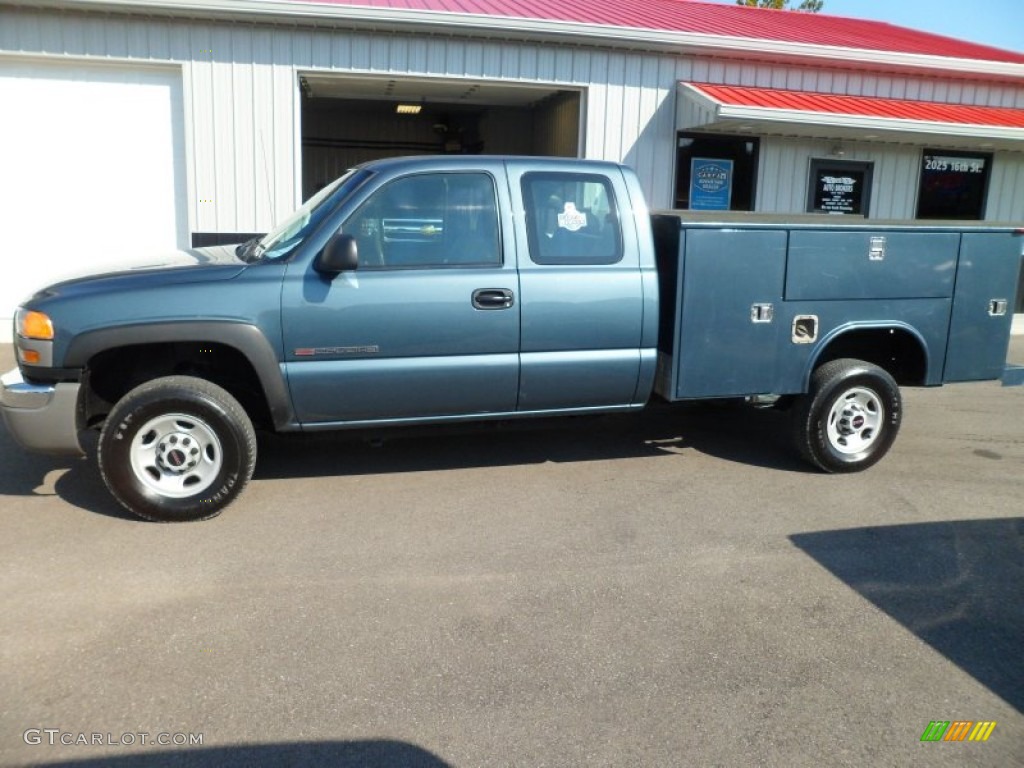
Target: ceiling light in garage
408 109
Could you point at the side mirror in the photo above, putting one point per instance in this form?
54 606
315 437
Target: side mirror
339 255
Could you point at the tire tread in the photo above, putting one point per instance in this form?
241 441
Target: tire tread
823 381
164 388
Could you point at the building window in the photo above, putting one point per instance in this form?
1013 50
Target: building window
840 186
716 172
954 185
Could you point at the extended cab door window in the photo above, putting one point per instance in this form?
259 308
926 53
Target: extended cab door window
571 219
429 220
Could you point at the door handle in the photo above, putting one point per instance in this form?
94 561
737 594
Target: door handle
493 298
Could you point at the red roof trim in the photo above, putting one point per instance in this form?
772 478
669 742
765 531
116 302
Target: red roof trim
862 106
728 21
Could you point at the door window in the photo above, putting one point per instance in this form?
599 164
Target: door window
571 218
429 220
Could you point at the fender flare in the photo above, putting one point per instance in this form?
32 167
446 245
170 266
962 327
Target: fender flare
247 339
825 341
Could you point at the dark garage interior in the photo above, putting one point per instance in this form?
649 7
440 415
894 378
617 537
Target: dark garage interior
347 121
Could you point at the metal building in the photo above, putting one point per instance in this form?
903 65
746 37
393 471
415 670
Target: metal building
161 124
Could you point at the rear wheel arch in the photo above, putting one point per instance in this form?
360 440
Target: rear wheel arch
897 348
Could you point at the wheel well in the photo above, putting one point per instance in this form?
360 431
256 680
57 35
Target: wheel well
896 350
111 374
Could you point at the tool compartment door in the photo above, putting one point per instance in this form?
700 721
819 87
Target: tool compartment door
986 283
728 343
836 265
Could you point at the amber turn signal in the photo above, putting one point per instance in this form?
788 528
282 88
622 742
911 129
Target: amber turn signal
34 325
29 356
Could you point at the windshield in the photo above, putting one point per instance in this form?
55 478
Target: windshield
284 238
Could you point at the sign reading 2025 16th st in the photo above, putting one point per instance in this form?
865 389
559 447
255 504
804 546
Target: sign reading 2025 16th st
710 184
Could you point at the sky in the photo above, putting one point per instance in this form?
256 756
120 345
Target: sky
999 23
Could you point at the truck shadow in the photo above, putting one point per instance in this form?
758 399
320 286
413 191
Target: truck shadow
956 585
74 480
732 433
380 753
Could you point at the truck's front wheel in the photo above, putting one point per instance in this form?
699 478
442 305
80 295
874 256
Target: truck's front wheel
850 417
176 449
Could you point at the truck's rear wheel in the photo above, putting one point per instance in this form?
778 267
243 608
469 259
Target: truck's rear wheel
176 449
850 417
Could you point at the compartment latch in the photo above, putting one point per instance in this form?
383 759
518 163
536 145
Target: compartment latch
876 250
998 307
762 313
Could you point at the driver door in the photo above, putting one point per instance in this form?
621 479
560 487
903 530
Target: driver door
427 327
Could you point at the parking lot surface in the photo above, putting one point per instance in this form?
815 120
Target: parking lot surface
674 588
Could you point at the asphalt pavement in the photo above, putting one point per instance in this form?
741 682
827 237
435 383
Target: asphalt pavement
670 589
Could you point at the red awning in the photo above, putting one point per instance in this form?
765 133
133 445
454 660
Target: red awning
801 113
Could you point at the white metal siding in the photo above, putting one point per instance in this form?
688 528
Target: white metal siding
242 108
785 173
1006 189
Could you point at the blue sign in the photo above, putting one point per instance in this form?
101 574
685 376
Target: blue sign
710 184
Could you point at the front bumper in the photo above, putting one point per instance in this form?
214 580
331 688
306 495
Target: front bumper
41 417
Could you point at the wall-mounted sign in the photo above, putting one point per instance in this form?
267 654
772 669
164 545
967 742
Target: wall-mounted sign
962 164
710 184
839 187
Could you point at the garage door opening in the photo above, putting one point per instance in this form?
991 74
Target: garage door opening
347 121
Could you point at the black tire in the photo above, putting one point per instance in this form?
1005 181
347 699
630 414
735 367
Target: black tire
177 449
850 417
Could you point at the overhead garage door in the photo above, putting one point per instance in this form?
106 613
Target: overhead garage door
93 171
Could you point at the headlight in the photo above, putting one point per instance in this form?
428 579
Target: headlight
34 325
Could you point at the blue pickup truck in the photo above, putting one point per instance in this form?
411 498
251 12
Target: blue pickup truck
452 289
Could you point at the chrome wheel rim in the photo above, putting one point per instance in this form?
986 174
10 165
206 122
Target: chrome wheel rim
176 455
855 421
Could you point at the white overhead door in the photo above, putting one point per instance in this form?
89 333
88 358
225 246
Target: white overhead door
92 165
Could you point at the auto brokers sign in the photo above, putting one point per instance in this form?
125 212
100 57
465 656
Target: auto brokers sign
840 188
